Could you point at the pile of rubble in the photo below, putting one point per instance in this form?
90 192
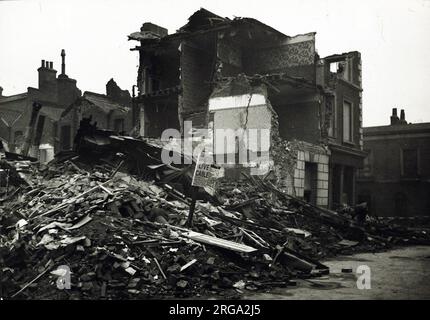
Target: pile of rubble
122 232
122 237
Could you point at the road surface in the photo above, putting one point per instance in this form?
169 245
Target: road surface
397 274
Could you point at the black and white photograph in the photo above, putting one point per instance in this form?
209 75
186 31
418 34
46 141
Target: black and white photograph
214 155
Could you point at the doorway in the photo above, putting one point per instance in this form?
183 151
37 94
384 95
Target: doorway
310 192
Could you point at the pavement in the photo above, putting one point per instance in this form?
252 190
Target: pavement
402 273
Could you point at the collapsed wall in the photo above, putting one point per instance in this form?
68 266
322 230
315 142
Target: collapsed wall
242 106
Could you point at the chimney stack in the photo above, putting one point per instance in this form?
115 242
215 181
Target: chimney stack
160 31
394 118
402 117
47 77
1 92
63 62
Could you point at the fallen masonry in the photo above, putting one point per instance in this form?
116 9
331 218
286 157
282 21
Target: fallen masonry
109 222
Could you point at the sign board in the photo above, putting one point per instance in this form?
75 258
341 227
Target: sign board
206 175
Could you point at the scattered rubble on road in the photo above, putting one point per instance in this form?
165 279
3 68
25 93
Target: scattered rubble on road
117 218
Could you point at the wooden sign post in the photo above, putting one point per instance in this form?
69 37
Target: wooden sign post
205 176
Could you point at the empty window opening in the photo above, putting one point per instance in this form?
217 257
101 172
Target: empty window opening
347 121
310 190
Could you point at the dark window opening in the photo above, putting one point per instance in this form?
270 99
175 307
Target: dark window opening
310 190
347 121
118 125
410 163
65 138
343 69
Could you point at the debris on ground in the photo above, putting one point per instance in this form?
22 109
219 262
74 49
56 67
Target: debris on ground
116 218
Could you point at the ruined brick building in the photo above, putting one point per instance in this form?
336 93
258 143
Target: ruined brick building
62 108
395 179
241 73
110 111
53 93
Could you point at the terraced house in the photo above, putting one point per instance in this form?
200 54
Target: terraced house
62 108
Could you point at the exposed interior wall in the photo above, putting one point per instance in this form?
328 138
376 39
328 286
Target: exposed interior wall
159 115
237 106
229 54
300 119
253 117
158 78
158 69
295 56
288 156
198 60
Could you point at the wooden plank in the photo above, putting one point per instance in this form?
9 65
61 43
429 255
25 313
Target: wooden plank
226 244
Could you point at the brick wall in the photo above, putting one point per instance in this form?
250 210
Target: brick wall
196 71
344 91
385 182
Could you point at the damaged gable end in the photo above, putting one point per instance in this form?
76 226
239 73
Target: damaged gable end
241 74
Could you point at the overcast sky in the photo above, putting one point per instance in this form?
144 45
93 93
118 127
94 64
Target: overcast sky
392 36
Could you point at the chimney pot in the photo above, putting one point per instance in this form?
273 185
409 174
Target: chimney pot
51 65
394 119
43 64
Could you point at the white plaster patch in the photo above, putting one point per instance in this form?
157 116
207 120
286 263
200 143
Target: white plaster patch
240 101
